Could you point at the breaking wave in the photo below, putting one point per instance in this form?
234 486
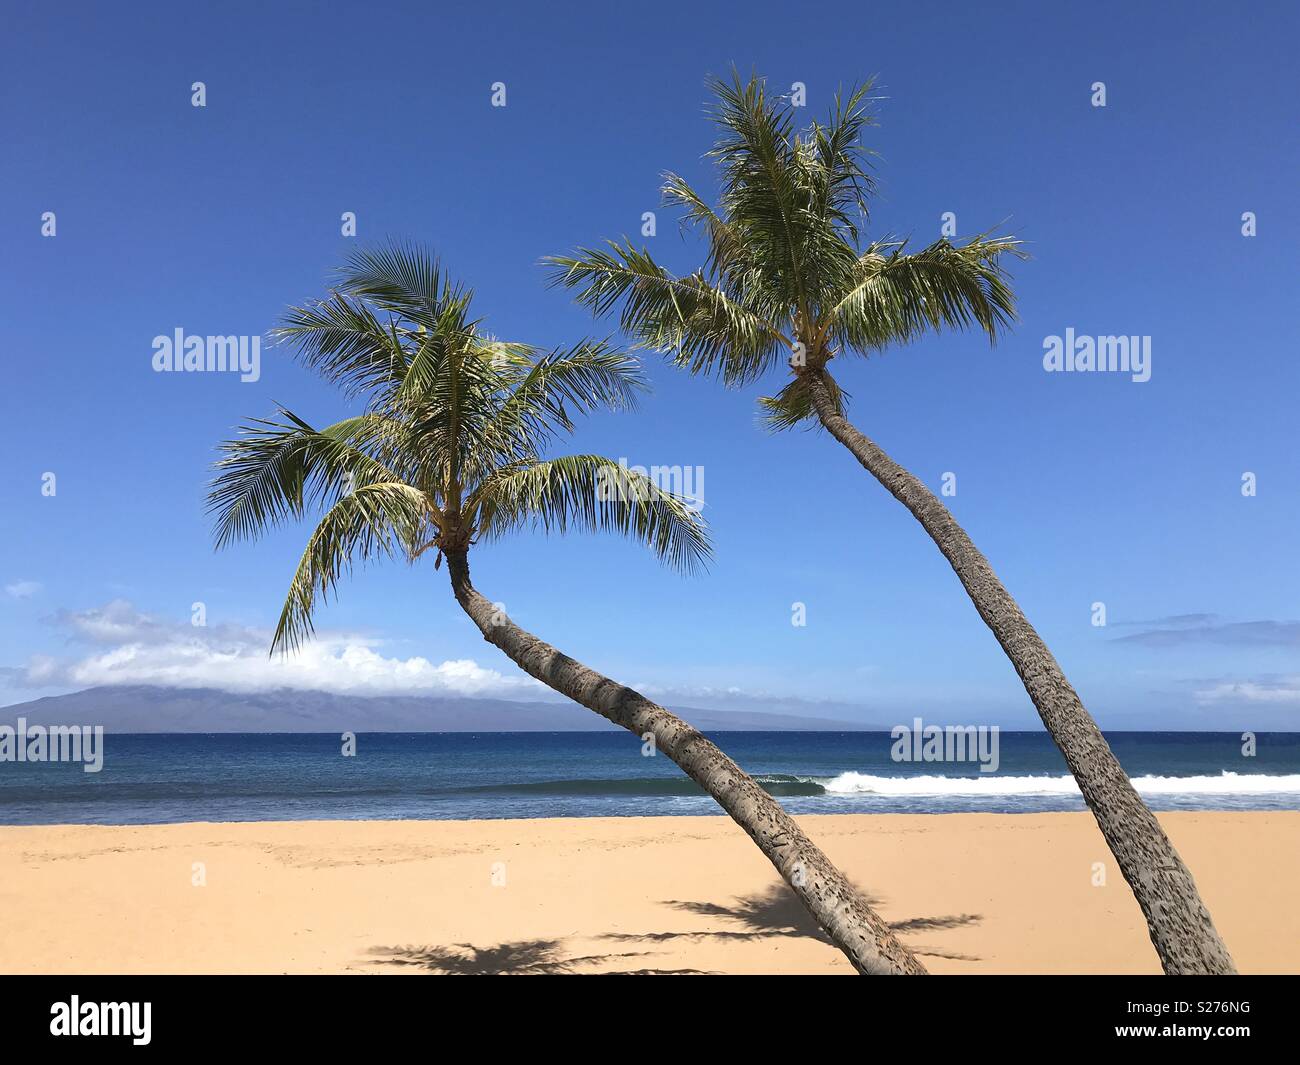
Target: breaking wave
1225 783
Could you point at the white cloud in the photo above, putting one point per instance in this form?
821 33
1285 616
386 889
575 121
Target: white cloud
1284 691
23 589
135 648
116 622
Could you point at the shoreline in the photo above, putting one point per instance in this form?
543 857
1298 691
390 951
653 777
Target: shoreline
1160 812
970 893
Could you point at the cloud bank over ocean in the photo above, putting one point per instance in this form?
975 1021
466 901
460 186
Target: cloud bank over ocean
120 645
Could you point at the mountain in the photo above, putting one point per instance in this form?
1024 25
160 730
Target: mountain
152 709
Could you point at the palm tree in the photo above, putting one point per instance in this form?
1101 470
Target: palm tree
788 279
447 453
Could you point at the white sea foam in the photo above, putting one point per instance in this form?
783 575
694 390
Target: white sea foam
1224 784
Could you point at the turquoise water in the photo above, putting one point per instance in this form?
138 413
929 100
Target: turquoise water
251 777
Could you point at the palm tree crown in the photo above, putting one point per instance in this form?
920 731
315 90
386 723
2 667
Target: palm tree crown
787 276
448 448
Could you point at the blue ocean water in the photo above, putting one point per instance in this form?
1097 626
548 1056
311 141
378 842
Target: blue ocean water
254 777
456 775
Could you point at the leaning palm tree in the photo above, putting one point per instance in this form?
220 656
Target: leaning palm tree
447 454
788 279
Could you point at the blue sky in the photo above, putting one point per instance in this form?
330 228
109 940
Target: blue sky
1079 488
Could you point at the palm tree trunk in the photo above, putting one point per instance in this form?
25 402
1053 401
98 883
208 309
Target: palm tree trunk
1180 926
836 905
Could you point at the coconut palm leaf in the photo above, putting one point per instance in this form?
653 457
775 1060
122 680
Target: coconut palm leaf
702 326
593 494
277 469
377 520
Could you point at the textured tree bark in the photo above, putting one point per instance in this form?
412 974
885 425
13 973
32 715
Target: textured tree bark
836 905
1180 926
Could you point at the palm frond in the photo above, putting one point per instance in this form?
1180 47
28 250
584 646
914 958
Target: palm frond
844 184
591 375
729 260
793 405
699 324
377 520
595 494
343 341
896 296
408 282
760 195
275 470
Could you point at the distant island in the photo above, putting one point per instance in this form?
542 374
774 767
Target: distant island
145 708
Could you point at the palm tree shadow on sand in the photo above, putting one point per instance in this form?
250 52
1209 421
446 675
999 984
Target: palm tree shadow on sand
529 957
775 912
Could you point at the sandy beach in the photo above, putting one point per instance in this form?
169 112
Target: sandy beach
971 893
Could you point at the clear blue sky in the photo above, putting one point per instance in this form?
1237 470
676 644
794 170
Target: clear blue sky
1078 488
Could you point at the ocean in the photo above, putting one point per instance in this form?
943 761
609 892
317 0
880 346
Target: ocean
457 776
